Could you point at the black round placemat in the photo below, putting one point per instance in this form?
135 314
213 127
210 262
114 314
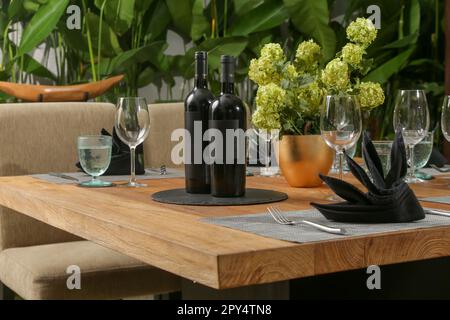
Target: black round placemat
252 196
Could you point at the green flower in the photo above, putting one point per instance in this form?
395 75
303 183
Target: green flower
307 55
310 98
270 100
273 52
335 75
371 95
362 31
352 54
263 71
289 72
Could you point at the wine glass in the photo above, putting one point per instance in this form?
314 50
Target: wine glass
132 125
445 118
340 124
268 137
412 119
94 153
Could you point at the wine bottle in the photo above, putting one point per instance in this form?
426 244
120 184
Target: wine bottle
228 112
196 113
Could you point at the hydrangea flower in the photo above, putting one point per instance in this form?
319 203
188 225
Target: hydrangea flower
270 100
266 69
289 72
335 75
310 97
308 55
371 95
362 31
352 54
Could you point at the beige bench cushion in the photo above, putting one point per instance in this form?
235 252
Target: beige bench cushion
39 272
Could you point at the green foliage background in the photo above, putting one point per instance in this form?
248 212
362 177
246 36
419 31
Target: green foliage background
129 36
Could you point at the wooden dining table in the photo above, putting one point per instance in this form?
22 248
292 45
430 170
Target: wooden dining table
210 257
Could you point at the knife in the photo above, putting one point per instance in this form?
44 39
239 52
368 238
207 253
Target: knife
63 176
438 212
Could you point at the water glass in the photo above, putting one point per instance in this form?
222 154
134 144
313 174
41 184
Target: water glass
94 153
383 149
132 125
412 119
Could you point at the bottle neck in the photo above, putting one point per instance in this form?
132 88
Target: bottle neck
200 81
227 87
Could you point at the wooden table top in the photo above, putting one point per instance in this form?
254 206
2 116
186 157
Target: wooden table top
174 239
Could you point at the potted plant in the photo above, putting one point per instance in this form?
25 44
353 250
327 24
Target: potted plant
290 95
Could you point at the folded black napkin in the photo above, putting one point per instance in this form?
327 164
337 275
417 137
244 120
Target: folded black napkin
121 157
388 199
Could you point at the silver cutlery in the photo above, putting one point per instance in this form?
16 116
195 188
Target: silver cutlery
63 176
437 212
443 170
280 218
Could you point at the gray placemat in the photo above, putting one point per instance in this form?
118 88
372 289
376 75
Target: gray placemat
81 176
434 172
445 200
262 224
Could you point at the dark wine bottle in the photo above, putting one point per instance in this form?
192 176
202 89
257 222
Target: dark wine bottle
196 113
228 112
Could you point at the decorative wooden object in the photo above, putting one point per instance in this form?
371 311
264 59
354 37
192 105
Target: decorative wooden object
40 93
174 239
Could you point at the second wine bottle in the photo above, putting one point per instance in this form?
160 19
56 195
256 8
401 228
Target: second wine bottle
228 115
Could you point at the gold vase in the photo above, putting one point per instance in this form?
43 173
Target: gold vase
302 158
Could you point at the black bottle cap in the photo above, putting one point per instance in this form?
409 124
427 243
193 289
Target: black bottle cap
228 66
201 63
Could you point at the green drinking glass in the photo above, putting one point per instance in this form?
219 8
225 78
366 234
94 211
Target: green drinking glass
95 156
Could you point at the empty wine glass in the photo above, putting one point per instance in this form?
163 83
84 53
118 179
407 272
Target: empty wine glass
132 125
340 124
445 118
412 119
94 153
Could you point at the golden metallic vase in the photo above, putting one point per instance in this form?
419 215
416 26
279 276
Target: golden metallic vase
302 158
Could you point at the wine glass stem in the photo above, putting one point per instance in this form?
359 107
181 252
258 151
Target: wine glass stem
268 145
341 165
133 165
411 160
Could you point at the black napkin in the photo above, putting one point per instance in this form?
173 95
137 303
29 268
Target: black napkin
388 199
121 157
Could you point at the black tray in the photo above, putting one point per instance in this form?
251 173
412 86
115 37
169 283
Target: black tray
252 196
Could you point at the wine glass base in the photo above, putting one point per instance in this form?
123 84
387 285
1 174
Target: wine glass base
96 184
269 172
133 185
412 180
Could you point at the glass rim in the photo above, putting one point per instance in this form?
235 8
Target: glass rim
382 141
132 98
411 90
92 136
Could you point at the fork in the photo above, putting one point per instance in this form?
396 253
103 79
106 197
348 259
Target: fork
280 218
443 170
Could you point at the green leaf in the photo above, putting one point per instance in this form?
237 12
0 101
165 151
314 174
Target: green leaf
241 7
118 13
215 47
147 76
121 62
30 65
159 20
267 16
15 8
143 5
181 12
414 16
389 68
312 18
3 24
200 24
110 44
403 42
41 25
